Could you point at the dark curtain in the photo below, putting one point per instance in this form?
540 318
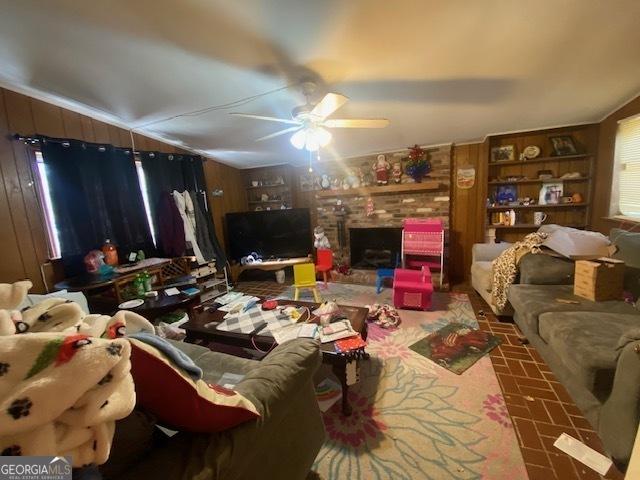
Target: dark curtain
95 195
166 172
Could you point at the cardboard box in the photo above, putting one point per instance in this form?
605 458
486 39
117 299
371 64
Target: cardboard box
600 279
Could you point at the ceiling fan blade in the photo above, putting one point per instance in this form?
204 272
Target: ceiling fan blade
270 119
356 123
329 104
277 134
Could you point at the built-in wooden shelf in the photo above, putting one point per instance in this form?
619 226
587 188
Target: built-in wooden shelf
524 207
266 201
523 226
538 180
563 158
251 187
424 186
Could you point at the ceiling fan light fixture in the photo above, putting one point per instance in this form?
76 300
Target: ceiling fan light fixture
299 139
323 136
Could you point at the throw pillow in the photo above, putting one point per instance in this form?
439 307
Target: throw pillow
180 402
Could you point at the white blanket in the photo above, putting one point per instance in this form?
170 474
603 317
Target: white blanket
64 377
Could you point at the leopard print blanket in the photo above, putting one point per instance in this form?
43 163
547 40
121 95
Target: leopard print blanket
505 268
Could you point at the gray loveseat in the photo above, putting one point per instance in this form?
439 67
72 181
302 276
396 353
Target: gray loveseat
282 444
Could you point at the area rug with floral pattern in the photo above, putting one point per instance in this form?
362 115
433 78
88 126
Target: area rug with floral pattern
413 419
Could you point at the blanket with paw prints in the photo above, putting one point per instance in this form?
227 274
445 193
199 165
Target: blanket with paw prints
64 377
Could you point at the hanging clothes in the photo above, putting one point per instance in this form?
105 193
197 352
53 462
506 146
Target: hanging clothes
171 236
185 208
203 235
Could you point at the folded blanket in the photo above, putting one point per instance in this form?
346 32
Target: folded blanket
177 357
505 268
64 377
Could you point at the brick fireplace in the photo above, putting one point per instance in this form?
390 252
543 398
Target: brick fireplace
390 207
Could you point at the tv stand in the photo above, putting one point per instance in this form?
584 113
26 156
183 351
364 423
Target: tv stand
268 265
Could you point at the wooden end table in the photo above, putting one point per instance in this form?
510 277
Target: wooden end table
196 330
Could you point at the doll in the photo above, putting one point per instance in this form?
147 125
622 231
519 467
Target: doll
396 172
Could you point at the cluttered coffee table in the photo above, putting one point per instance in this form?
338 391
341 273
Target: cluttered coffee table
204 326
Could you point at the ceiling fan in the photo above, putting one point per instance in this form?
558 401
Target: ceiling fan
310 121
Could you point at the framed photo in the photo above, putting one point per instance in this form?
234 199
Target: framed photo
550 193
506 194
504 153
563 145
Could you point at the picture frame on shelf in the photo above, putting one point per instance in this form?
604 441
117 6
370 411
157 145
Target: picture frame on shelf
563 145
550 193
503 153
506 194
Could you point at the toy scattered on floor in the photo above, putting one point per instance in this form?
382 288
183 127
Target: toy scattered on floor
320 238
253 257
385 315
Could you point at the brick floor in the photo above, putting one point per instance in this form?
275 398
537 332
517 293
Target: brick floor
540 407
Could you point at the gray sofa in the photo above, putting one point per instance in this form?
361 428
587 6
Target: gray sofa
283 443
592 347
541 269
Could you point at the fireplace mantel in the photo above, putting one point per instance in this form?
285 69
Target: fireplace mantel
424 186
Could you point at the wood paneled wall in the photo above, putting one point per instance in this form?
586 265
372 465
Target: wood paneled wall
467 208
604 167
23 244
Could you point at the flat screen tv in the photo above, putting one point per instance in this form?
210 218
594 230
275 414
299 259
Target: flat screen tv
270 233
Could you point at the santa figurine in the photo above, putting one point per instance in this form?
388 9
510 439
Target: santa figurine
381 169
396 172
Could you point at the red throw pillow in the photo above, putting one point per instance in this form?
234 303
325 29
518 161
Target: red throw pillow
180 402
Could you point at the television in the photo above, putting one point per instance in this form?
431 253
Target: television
270 233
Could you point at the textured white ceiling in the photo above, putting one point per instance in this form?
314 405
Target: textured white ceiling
440 71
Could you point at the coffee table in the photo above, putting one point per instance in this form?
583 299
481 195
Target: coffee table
196 330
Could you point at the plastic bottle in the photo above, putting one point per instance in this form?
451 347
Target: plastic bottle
110 253
146 281
138 285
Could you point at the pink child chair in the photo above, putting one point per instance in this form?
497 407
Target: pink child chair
324 263
412 288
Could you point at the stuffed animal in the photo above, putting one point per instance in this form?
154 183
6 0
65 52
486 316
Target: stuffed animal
381 169
12 294
320 238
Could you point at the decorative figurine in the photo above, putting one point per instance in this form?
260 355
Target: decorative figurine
325 182
396 173
335 183
320 238
370 207
345 183
354 177
381 168
367 179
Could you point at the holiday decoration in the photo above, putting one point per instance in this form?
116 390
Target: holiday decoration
381 169
320 238
396 172
418 164
370 207
325 182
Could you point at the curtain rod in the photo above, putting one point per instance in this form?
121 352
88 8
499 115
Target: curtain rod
66 142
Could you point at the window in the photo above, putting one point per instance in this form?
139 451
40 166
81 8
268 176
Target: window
47 206
142 180
625 192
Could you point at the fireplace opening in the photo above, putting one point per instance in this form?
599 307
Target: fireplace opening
372 248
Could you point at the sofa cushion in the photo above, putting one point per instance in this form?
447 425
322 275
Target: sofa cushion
481 273
530 301
180 402
628 245
542 269
587 342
